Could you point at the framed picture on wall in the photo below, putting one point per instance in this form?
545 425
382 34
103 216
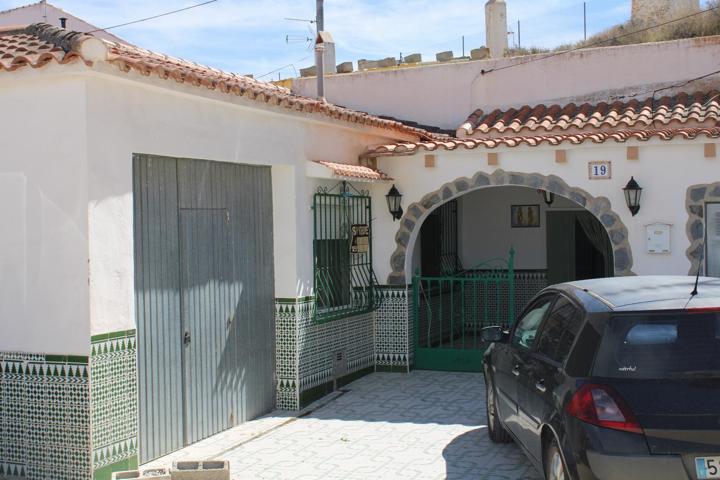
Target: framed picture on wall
525 216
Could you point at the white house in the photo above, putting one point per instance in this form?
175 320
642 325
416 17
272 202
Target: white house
46 12
186 249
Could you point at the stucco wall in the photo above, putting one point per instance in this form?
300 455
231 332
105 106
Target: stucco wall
126 117
664 170
485 233
445 94
43 207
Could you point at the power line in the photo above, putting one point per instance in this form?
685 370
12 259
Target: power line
600 42
283 67
154 16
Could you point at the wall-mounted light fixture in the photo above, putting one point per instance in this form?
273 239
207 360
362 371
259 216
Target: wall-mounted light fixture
633 192
393 200
549 197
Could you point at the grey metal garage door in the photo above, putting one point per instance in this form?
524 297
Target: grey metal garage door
204 292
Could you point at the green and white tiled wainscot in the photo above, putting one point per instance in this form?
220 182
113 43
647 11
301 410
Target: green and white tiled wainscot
393 330
113 397
305 352
44 417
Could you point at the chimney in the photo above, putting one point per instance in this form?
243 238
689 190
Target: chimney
320 49
496 30
329 55
63 22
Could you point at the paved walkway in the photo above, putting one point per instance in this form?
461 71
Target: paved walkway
424 425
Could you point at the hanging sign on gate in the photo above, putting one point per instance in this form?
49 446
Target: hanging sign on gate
360 239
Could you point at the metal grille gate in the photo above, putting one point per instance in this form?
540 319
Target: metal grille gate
449 313
204 298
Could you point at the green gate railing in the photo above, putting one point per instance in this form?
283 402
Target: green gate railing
449 314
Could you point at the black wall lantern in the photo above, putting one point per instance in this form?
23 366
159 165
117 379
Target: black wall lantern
393 200
549 197
633 192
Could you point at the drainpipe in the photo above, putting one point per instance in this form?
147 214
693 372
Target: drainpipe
320 50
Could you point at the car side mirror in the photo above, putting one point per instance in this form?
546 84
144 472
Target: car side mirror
492 334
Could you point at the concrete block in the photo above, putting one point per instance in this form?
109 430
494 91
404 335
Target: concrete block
145 474
308 72
367 64
413 58
480 53
388 62
202 470
444 56
345 67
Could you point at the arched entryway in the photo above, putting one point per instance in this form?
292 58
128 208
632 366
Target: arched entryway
455 247
417 213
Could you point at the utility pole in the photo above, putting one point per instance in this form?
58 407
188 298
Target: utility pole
320 50
463 42
519 43
585 19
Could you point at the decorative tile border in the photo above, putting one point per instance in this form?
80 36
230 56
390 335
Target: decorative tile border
44 417
393 340
305 351
113 397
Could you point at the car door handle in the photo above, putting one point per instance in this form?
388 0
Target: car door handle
516 370
541 386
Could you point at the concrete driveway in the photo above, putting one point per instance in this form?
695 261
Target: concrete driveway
423 425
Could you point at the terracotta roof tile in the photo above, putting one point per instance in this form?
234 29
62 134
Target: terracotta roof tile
700 109
39 44
620 136
344 170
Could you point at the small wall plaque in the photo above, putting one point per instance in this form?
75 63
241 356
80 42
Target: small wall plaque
600 170
658 238
360 239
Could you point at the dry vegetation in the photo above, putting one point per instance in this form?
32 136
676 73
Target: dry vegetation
703 25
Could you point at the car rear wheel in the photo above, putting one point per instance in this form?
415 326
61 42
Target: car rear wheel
555 468
496 431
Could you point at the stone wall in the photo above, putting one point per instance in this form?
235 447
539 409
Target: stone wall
697 197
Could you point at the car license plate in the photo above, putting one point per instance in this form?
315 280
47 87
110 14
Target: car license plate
707 467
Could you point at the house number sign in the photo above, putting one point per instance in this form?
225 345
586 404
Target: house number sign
360 239
600 170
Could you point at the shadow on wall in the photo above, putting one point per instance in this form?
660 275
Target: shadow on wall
472 455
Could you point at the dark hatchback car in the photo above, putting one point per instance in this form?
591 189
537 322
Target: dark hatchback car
612 379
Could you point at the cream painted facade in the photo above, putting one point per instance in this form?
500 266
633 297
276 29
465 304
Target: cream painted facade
665 170
78 216
444 95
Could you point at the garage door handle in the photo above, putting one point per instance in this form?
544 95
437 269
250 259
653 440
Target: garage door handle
541 387
516 370
186 338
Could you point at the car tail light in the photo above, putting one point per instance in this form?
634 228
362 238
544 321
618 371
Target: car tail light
704 310
602 406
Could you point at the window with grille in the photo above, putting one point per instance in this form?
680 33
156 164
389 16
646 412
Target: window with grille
342 253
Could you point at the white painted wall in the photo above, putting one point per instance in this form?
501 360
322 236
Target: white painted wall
43 209
144 116
665 171
445 94
484 230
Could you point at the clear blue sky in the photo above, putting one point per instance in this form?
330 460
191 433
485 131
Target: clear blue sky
248 36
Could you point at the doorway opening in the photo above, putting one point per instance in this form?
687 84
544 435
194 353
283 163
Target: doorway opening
480 258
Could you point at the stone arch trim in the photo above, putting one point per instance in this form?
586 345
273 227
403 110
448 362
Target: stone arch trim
696 198
598 206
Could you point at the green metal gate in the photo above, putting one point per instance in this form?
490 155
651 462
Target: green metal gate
449 313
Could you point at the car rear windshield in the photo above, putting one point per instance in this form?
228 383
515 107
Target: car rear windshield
660 345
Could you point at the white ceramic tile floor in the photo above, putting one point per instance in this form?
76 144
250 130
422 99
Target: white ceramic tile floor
422 425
